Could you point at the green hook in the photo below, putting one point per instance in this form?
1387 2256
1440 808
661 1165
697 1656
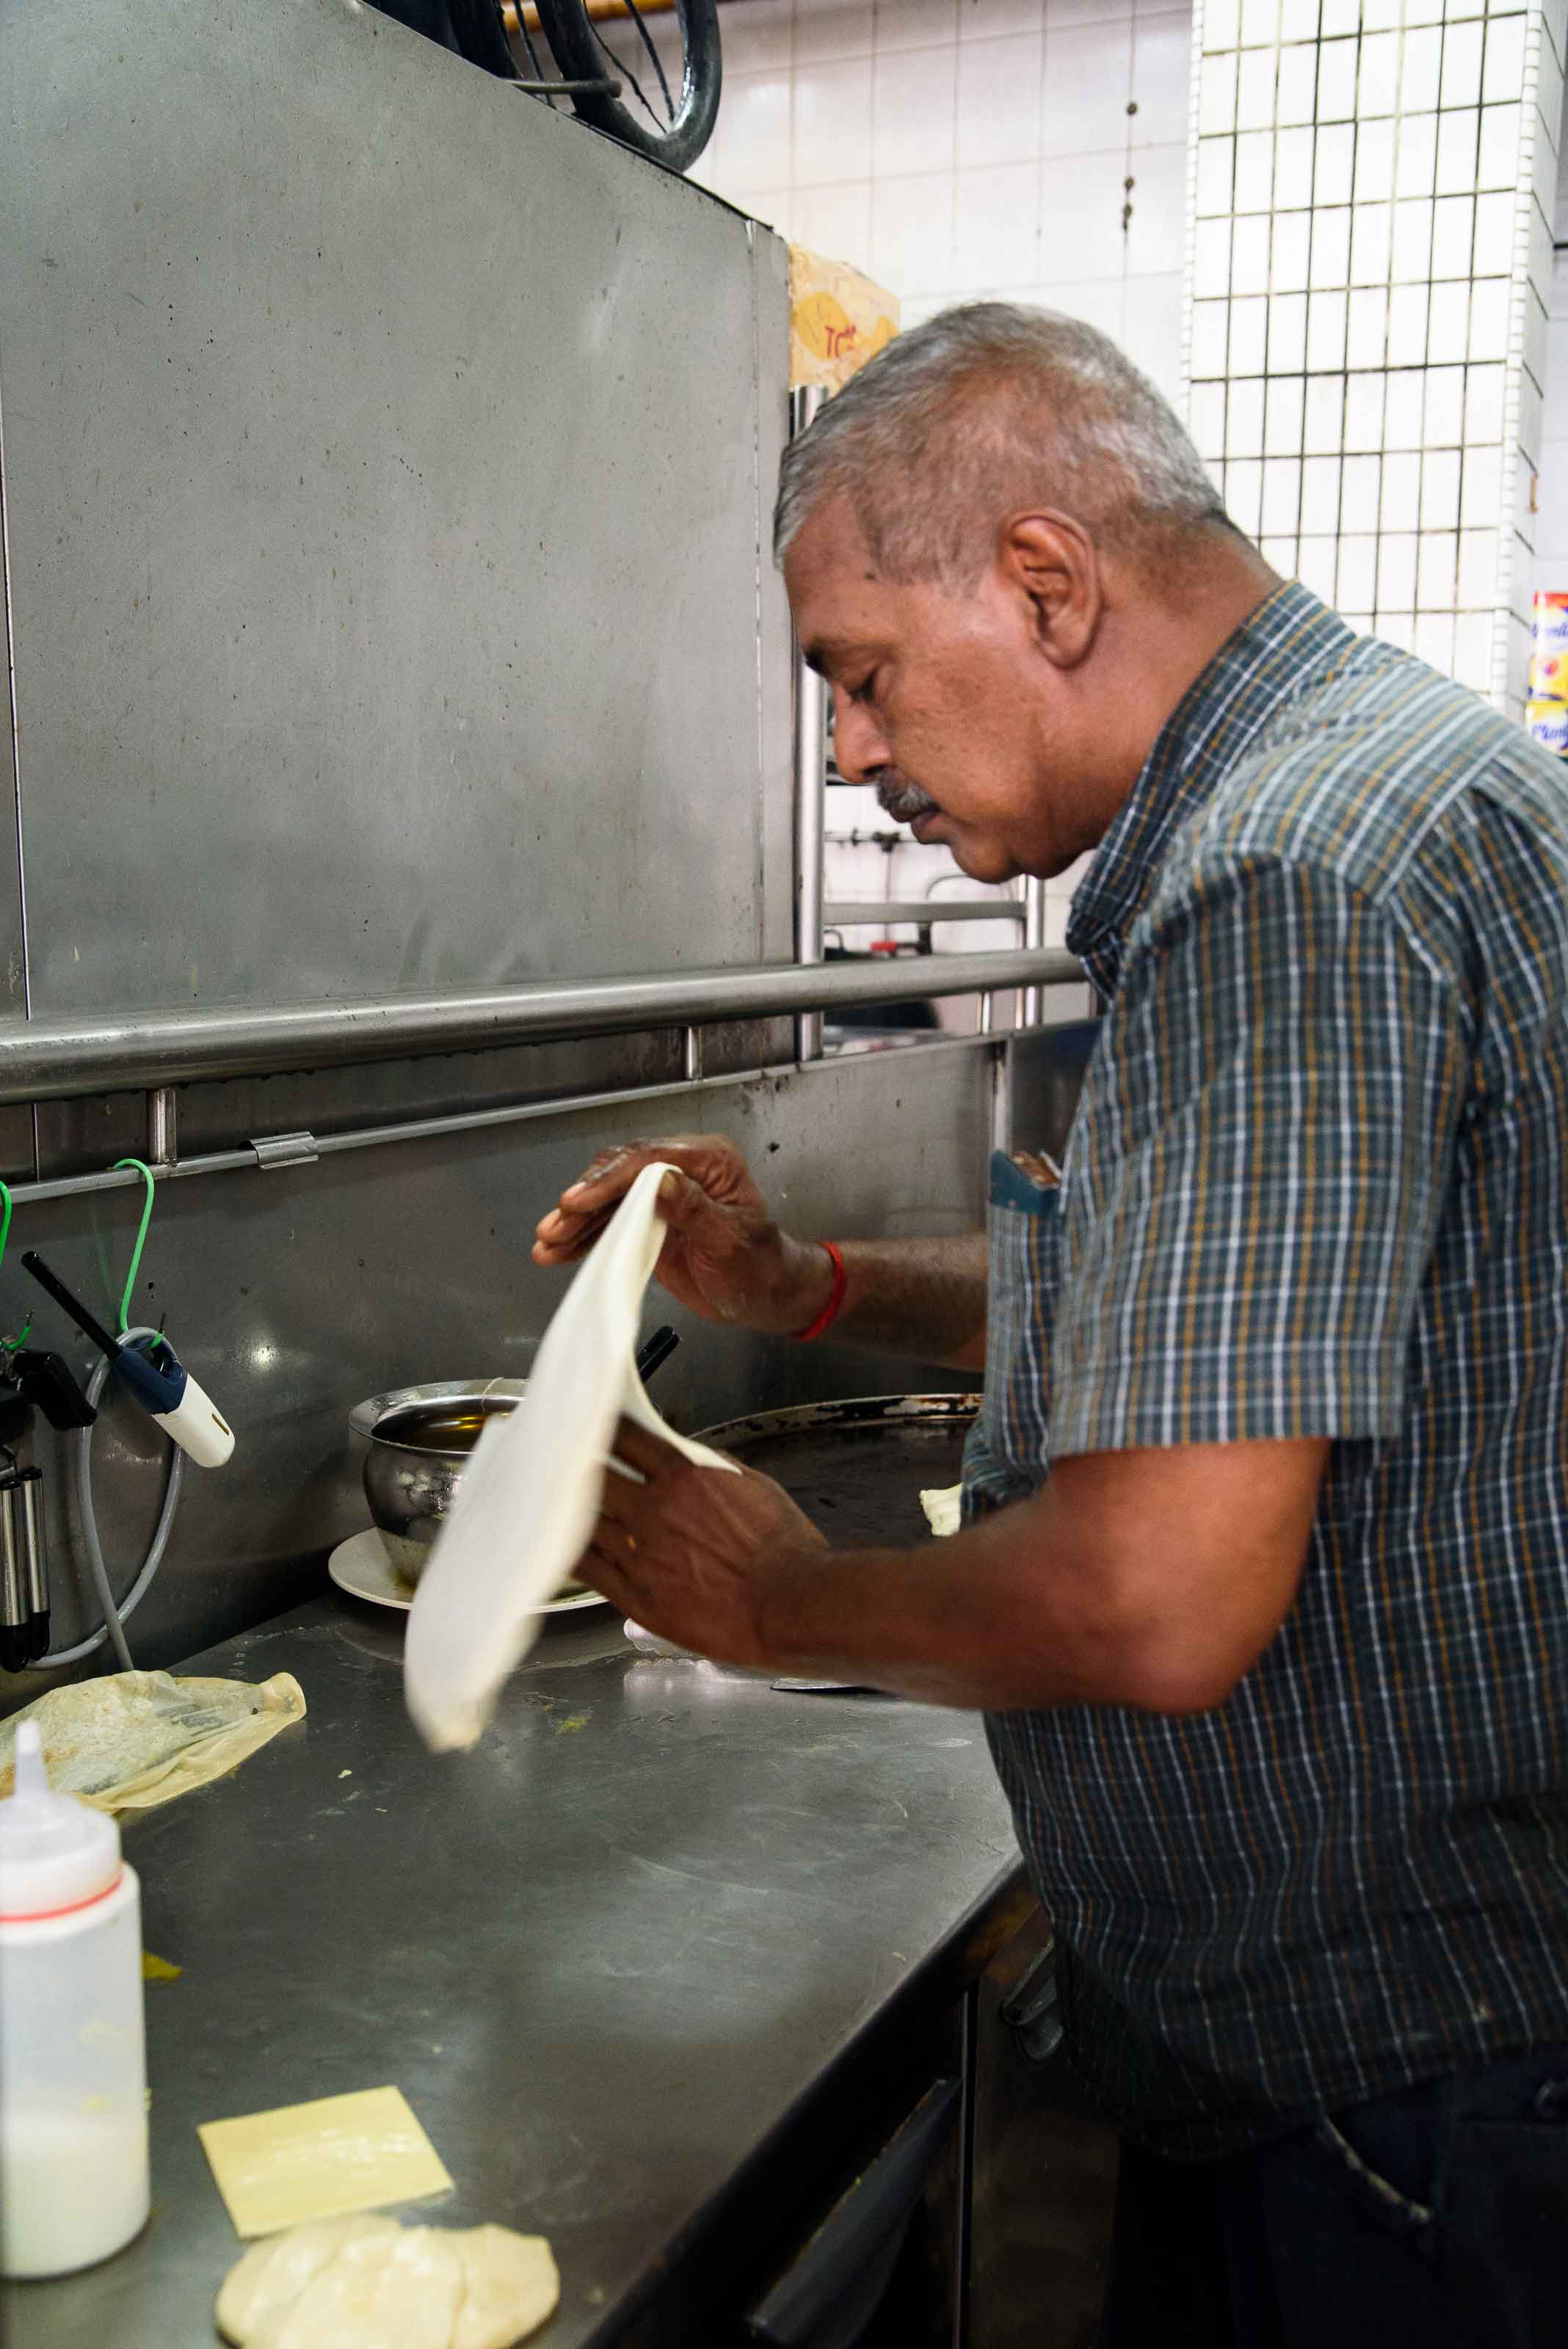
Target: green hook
146 1174
12 1345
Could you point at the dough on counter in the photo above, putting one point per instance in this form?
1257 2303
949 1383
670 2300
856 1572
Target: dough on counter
130 1741
275 2272
397 2290
510 2287
324 2159
369 2283
944 1506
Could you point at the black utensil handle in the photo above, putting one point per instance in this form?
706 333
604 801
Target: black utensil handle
659 1348
33 1263
47 1381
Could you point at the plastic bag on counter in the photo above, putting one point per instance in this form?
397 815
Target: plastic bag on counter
133 1740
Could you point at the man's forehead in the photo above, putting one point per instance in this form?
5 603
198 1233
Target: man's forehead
830 546
836 589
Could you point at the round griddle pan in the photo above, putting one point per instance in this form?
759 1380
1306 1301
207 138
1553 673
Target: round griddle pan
857 1468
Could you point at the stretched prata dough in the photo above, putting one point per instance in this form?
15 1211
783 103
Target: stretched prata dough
529 1498
369 2283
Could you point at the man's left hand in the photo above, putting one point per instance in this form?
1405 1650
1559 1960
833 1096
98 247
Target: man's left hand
685 1552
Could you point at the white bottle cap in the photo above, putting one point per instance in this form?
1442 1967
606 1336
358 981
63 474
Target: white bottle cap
56 1853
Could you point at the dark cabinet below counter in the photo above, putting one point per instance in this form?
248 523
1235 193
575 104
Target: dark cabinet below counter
932 2195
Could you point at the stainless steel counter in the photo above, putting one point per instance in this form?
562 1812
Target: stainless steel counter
609 1956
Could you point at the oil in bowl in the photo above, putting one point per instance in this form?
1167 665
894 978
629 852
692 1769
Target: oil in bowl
452 1433
417 1442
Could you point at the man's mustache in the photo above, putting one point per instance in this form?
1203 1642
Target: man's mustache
904 802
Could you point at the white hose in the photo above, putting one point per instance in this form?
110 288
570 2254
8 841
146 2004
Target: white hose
114 1616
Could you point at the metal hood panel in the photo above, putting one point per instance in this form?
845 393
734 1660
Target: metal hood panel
386 474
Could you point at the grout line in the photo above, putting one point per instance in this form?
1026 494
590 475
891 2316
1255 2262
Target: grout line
958 52
794 84
1126 190
8 650
1040 138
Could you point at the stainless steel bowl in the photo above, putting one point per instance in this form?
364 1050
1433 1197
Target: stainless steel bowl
418 1440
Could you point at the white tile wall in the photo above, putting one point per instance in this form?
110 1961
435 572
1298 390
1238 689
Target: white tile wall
1550 520
955 147
1384 162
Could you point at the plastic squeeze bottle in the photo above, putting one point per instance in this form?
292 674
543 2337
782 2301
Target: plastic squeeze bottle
73 2063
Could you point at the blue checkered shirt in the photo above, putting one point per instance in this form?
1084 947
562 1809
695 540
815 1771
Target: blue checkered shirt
1318 1186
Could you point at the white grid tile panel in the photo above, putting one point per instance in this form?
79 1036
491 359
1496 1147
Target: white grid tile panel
1368 294
954 148
1034 148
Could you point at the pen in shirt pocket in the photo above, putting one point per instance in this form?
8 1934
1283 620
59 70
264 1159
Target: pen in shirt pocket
1040 1167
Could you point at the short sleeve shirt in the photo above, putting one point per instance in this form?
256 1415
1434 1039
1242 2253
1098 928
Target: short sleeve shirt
1318 1186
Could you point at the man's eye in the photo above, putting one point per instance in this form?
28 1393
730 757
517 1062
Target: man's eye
866 690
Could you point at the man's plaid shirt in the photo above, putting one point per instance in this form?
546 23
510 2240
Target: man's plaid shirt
1318 1186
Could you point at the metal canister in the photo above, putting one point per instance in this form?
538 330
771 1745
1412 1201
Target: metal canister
23 1569
1548 724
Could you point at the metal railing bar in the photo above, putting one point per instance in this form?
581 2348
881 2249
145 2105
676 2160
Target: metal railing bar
252 1158
66 1059
860 913
373 1137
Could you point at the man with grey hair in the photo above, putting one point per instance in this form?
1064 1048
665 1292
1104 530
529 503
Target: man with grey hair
1263 1582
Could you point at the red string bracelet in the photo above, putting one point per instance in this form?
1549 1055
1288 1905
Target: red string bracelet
830 1311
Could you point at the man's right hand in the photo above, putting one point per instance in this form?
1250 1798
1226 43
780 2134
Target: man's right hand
724 1257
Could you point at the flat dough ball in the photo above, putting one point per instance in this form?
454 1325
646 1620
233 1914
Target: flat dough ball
401 2291
944 1506
366 2282
275 2272
511 2286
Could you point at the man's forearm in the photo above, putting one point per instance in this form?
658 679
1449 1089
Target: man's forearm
1150 1579
942 1624
726 1257
919 1298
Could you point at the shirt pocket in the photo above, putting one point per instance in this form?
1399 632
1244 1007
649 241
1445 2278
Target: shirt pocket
1025 1245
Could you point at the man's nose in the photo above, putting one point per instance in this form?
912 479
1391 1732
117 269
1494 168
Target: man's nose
858 744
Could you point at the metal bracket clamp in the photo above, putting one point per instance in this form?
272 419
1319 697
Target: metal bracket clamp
162 1126
286 1150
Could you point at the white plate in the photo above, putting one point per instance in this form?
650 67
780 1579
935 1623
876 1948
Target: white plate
361 1567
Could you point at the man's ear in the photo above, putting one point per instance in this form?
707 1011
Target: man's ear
1051 560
